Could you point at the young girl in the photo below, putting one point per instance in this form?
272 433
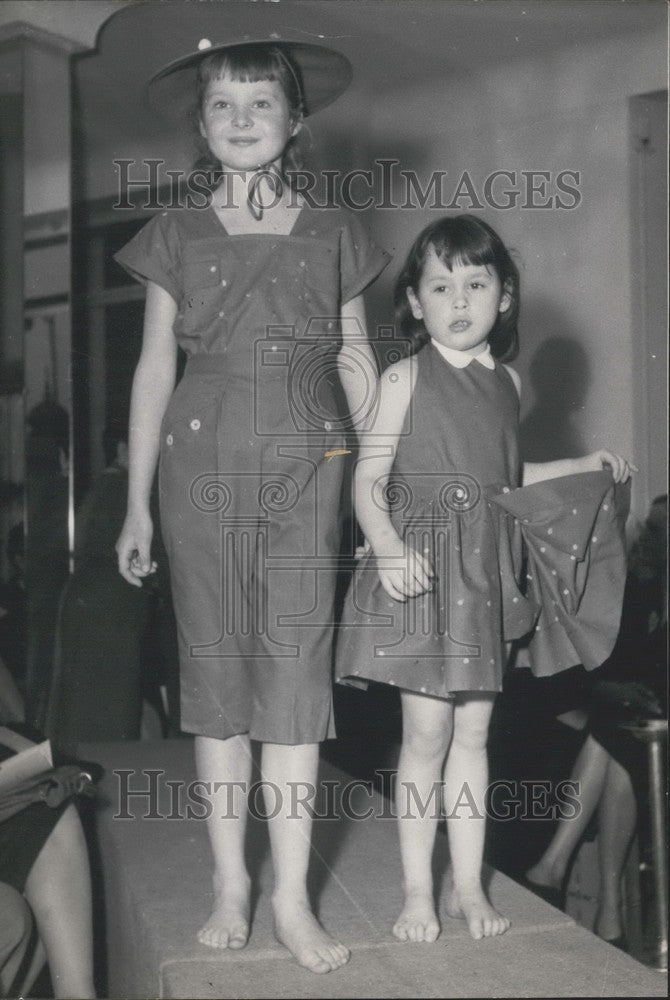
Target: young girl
445 438
249 485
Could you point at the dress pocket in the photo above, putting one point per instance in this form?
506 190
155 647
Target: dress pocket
204 293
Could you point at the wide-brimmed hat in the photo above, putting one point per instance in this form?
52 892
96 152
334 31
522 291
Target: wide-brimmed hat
323 74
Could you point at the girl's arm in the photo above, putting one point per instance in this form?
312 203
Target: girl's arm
356 362
535 472
403 572
152 387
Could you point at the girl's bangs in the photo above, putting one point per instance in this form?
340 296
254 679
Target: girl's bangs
247 65
463 252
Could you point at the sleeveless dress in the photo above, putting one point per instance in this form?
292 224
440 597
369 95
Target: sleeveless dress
545 561
249 498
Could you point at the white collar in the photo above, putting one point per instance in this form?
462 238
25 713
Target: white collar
460 360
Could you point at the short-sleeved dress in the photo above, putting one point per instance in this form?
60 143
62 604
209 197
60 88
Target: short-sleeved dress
249 491
507 561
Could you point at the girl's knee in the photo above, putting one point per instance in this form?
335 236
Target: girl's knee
426 742
471 734
471 723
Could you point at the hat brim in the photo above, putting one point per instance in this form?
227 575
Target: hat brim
325 75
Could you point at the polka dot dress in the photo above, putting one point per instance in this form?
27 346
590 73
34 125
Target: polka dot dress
249 498
545 563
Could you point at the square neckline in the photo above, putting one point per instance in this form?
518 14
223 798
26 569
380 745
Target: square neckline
296 222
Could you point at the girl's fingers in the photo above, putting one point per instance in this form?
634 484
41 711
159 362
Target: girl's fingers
390 588
621 468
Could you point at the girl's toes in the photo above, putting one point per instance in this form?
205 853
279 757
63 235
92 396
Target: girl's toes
476 930
342 954
400 930
432 933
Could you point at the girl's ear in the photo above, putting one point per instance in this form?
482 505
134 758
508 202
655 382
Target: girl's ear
201 127
296 126
505 299
414 304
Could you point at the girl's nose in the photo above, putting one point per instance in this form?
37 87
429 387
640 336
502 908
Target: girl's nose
460 299
242 118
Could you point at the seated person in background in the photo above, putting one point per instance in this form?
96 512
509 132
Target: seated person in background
43 856
15 933
97 689
611 765
13 612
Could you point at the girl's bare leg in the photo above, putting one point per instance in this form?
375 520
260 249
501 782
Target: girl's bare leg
589 771
427 727
465 784
227 761
285 770
617 819
59 892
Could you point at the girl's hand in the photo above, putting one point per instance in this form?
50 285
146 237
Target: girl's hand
134 549
621 467
362 550
403 572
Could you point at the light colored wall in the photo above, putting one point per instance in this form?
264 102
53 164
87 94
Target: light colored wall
563 111
568 111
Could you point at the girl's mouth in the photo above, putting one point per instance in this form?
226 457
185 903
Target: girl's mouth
242 142
460 325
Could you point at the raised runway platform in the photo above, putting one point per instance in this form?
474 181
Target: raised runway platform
157 888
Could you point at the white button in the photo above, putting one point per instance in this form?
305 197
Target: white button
466 660
204 43
224 283
169 439
195 425
328 426
274 347
213 267
221 313
302 263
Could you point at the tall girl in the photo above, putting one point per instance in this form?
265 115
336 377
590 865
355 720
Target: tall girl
249 487
426 606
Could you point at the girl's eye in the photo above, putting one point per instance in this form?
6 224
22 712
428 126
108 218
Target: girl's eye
262 103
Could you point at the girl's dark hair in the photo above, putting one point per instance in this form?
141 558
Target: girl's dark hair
250 63
461 239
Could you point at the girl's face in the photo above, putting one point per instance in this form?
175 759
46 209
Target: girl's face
459 307
246 124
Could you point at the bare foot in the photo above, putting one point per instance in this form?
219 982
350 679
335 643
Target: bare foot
418 920
544 876
472 905
297 929
228 926
608 924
